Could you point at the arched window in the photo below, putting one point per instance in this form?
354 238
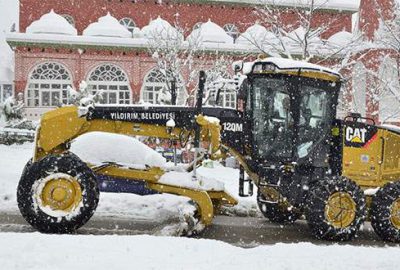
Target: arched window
157 83
69 19
112 82
231 30
128 23
389 91
48 85
359 84
197 26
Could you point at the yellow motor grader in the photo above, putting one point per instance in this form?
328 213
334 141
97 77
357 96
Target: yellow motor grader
304 161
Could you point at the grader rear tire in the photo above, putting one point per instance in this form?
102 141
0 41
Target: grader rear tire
276 212
335 209
385 212
57 194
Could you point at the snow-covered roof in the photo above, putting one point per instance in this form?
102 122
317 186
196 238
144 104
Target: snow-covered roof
107 26
288 64
255 33
341 38
295 37
210 32
137 33
160 27
345 5
51 23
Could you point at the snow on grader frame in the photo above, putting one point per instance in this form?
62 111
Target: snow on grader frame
304 161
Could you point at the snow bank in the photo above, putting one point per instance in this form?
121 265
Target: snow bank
247 206
12 161
100 147
161 207
38 251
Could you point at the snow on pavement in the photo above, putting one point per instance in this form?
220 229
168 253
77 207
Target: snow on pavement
41 252
163 207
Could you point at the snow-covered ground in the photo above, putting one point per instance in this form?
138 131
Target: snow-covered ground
13 159
41 252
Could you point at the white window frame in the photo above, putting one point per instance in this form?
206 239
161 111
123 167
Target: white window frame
115 87
197 26
232 30
228 98
57 86
152 89
69 19
128 23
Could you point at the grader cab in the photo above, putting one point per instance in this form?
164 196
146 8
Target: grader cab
337 173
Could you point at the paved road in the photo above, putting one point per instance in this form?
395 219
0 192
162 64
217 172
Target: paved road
241 231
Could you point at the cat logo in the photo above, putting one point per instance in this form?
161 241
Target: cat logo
355 135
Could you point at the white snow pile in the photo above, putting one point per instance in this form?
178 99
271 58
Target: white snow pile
36 251
101 147
341 39
185 179
161 207
284 63
51 23
161 28
209 32
247 206
255 35
107 26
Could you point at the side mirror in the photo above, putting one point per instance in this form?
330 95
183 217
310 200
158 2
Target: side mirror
237 66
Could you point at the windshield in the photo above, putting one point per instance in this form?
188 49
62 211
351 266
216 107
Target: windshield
289 118
313 118
272 118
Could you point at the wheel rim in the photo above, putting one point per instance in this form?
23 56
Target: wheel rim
340 210
59 192
395 213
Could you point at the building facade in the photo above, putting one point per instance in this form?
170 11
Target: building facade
105 43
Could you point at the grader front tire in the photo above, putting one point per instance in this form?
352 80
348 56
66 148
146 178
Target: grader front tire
335 209
57 194
276 212
385 212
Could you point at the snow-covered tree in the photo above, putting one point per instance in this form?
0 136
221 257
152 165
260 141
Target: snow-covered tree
383 80
173 55
11 110
84 97
388 33
301 40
